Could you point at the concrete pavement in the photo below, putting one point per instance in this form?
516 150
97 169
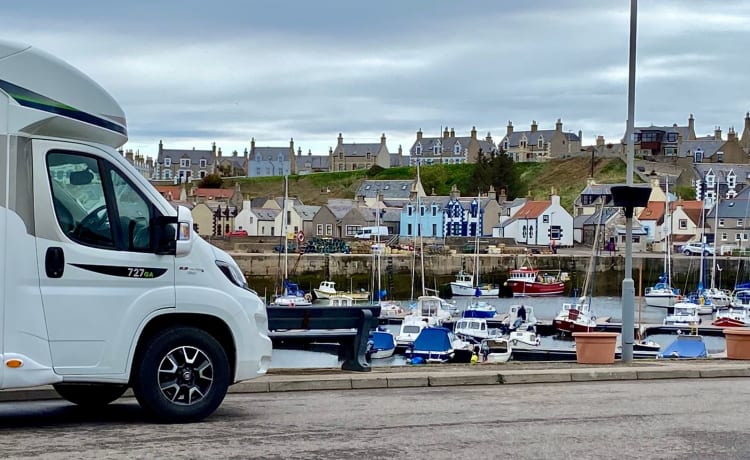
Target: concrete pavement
511 373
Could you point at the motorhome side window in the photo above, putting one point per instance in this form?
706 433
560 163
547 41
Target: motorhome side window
86 201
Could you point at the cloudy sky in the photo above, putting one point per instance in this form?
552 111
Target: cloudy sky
193 72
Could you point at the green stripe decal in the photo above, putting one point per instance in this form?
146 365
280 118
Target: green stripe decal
28 98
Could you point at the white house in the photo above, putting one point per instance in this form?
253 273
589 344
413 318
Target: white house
538 223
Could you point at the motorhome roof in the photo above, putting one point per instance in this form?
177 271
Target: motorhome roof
49 97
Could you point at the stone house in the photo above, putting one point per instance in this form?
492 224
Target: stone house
449 148
184 165
271 161
540 145
353 156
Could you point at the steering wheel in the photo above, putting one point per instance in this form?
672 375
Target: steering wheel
93 222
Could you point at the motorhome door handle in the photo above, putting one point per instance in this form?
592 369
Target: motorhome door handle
54 262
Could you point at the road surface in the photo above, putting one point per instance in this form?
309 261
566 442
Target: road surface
661 419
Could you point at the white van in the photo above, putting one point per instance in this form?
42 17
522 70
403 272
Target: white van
103 284
366 233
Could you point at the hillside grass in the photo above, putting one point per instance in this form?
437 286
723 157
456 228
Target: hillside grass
568 177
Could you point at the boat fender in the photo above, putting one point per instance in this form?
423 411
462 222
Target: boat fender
308 297
291 304
679 298
537 341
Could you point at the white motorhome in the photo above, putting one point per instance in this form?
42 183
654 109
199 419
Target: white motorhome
103 284
366 233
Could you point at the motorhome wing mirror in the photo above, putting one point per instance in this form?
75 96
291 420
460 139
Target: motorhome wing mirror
185 231
81 177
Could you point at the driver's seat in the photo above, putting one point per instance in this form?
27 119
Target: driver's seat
64 217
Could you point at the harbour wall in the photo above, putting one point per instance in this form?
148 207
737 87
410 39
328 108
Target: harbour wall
359 271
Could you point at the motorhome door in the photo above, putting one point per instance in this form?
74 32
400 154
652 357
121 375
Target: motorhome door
98 274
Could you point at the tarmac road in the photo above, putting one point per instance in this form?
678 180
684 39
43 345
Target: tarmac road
653 419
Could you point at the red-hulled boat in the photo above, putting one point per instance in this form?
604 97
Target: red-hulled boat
575 317
732 317
528 281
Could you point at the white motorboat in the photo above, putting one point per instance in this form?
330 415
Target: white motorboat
475 330
409 331
495 350
524 337
685 314
519 319
382 344
575 317
325 289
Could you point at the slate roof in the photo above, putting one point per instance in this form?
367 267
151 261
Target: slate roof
269 153
306 212
734 208
194 155
709 147
532 137
360 150
340 207
266 214
390 189
316 162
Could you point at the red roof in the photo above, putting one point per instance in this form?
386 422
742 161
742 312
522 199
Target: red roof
170 192
654 210
214 192
532 209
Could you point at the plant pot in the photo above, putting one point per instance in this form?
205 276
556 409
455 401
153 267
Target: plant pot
595 347
738 342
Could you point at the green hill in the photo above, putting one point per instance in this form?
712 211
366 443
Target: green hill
567 176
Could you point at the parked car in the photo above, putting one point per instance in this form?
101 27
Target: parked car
237 233
696 249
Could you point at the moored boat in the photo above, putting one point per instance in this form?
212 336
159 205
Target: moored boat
528 281
575 317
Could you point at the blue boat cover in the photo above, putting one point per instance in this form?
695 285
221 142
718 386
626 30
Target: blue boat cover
743 285
686 346
433 339
382 340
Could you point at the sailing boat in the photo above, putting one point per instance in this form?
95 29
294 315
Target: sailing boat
578 316
718 298
292 295
468 284
662 294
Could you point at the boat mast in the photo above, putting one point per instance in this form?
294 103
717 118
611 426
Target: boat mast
419 231
668 222
716 227
477 230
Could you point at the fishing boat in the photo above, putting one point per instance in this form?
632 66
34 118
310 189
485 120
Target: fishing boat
530 281
575 317
731 316
328 288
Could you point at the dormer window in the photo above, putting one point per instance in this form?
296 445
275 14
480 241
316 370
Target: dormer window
710 181
540 142
720 157
699 155
184 162
203 163
731 180
368 156
523 143
457 149
505 144
341 155
436 149
418 149
167 162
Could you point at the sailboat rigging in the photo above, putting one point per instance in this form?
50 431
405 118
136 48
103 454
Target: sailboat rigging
662 294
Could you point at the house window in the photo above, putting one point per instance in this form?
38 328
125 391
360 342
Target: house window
523 144
167 162
740 222
368 155
184 162
698 155
341 155
710 181
670 151
408 229
671 137
352 230
418 149
505 145
434 210
545 218
720 157
319 229
167 174
523 232
731 181
434 230
457 149
409 210
251 220
738 237
682 224
721 222
329 229
636 239
203 163
421 210
203 174
531 232
540 142
723 236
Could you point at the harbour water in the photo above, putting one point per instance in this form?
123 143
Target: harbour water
545 309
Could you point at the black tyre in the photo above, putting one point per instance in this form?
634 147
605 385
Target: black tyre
90 394
182 376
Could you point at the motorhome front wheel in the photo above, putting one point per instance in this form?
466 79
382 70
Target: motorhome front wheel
183 375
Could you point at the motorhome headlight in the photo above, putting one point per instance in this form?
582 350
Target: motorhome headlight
233 273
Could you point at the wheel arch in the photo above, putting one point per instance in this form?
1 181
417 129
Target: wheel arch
210 324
